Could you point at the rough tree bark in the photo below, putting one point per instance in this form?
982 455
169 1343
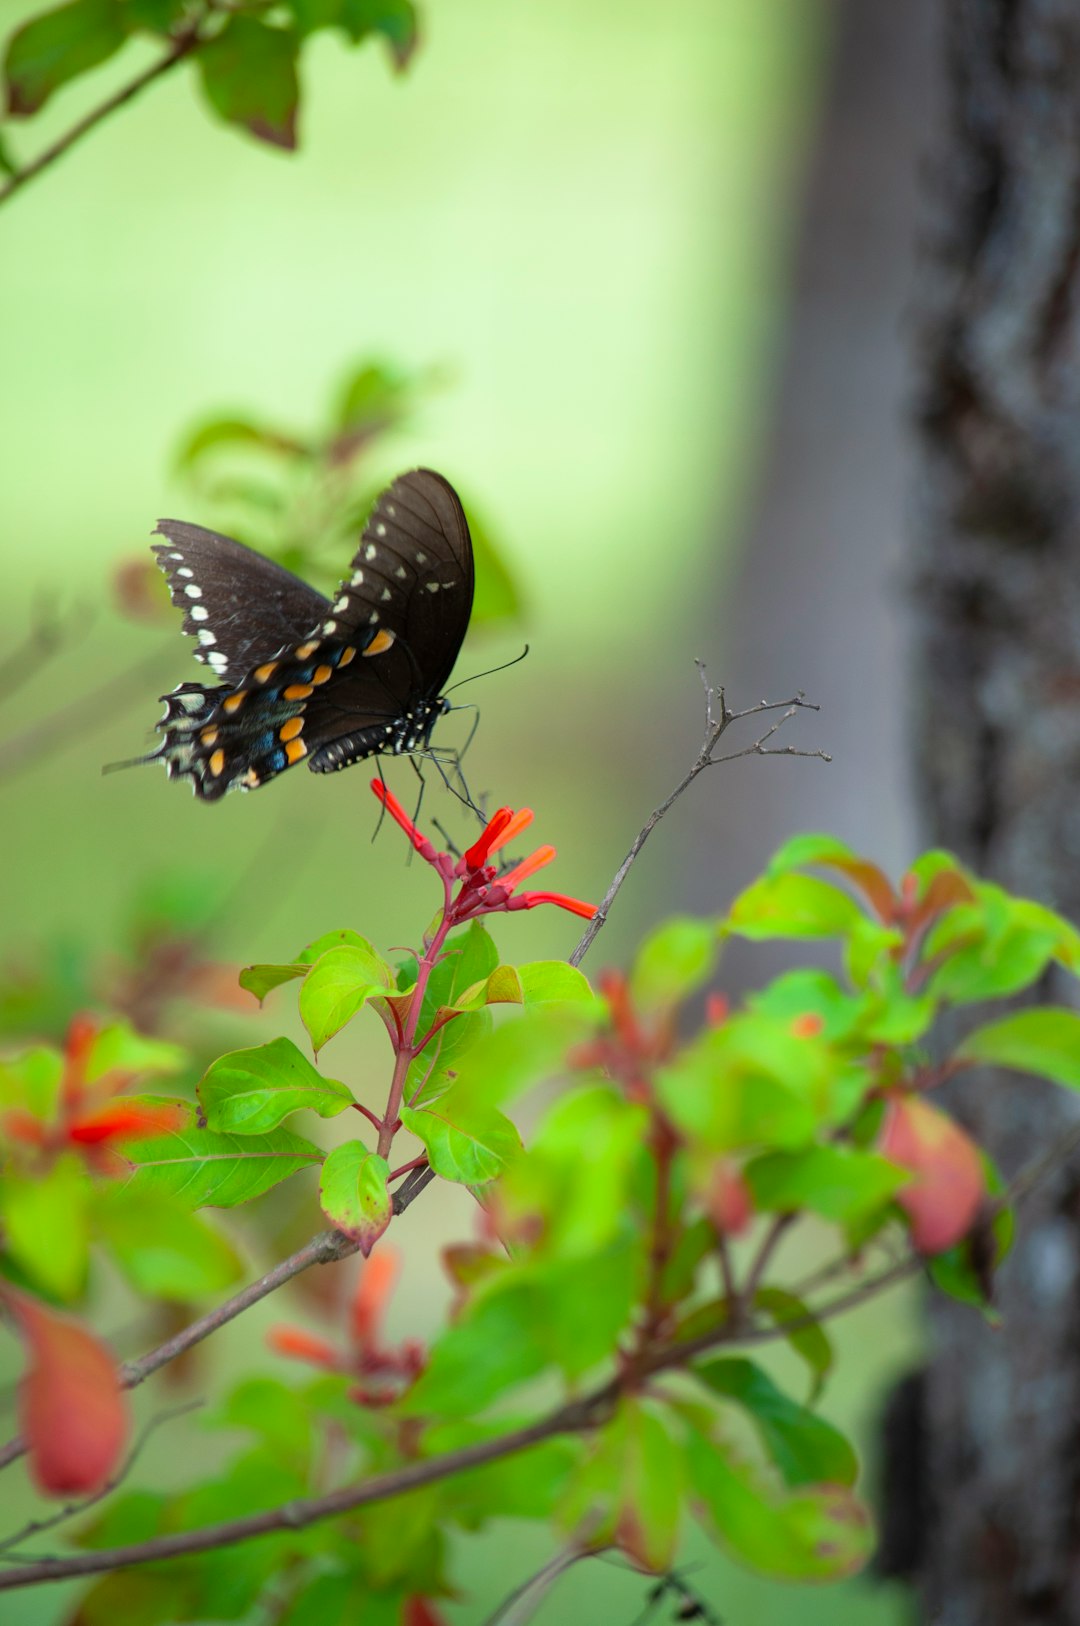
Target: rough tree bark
998 745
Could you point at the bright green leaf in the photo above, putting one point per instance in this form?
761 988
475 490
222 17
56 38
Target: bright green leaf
354 1195
32 1080
792 905
1044 1042
249 76
45 1225
841 1183
207 1169
467 1142
673 962
553 982
247 1092
59 46
628 1490
119 1049
337 986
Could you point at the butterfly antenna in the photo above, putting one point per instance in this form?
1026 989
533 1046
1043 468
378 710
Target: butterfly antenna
490 671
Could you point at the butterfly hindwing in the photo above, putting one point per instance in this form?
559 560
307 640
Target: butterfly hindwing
307 679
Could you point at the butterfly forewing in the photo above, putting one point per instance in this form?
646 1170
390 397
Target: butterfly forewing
306 678
238 605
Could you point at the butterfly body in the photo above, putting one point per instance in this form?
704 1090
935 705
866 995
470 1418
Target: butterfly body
306 678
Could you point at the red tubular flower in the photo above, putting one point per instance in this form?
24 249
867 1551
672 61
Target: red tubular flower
303 1346
477 855
528 866
125 1122
529 900
390 802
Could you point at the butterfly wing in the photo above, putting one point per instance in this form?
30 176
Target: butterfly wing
363 678
238 605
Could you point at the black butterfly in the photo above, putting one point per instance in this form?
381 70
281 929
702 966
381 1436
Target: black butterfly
302 678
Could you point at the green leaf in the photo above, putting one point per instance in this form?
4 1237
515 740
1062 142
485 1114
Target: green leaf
164 1250
994 947
337 986
232 434
342 1598
466 1141
395 20
565 1314
247 1092
207 1169
353 1193
8 163
502 987
808 1338
805 1449
749 1082
830 853
553 982
520 1053
1044 1042
672 963
32 1080
119 1049
156 16
497 598
470 959
261 980
278 1416
58 46
527 1485
811 1535
838 1182
45 1225
791 905
249 76
628 1491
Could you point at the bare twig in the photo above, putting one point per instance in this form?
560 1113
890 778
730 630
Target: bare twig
521 1604
718 719
181 47
36 1526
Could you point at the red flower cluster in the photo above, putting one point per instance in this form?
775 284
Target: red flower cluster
482 890
365 1355
87 1119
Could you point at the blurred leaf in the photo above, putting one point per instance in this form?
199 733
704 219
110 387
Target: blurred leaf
470 957
966 1270
673 962
1044 1042
164 1250
45 1225
791 905
32 1080
809 1341
233 434
812 1535
553 982
71 1409
277 1415
996 946
395 20
8 164
749 1082
343 1599
338 985
839 1182
249 76
207 1169
829 853
805 1449
466 1142
156 16
496 597
502 987
58 46
527 1485
311 15
523 1052
943 1197
119 1049
628 1491
353 1193
247 1092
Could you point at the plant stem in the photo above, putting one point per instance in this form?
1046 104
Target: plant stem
181 47
407 1048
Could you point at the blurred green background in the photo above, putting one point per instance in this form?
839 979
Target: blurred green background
587 216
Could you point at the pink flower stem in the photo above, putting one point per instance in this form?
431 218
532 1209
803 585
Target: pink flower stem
408 1049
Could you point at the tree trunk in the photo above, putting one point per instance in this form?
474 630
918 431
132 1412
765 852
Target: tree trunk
997 732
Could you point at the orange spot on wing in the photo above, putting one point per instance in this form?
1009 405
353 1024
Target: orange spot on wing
289 730
381 641
347 655
209 736
295 750
305 650
298 691
322 674
263 674
217 763
234 702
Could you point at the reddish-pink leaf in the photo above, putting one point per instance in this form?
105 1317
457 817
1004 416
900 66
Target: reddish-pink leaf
71 1407
728 1200
943 1198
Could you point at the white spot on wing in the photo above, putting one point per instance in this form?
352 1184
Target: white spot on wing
192 591
373 617
358 578
183 570
386 594
380 529
370 551
342 605
400 571
199 612
421 558
206 637
329 627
